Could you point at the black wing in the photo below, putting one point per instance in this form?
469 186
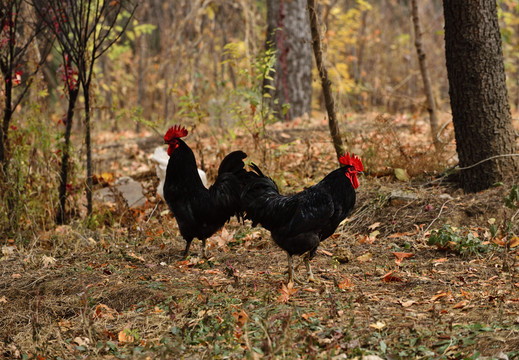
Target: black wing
287 215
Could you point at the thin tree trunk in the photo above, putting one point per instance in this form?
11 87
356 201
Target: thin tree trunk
8 112
88 144
61 213
431 105
325 82
140 93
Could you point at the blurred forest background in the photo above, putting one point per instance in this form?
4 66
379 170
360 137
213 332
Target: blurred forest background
179 58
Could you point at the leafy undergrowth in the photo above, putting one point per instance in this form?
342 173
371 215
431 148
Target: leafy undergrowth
121 290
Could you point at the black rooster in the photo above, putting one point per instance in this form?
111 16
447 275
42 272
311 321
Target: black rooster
298 223
199 211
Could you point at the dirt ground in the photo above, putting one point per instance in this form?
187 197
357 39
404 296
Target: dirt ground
122 291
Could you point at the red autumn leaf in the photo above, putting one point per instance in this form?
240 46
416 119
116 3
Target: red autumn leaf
104 311
389 277
441 295
401 256
241 317
346 284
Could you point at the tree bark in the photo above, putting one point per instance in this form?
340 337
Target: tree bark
478 93
325 82
431 104
4 129
88 145
289 32
61 217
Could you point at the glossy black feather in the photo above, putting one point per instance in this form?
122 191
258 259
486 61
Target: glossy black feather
298 223
200 212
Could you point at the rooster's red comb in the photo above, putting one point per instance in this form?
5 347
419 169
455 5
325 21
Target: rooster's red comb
353 161
175 132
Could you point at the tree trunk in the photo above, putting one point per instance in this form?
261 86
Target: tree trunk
431 105
479 99
63 176
88 145
4 129
289 32
325 82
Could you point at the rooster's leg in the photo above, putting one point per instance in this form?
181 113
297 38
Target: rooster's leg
204 252
186 250
291 275
311 278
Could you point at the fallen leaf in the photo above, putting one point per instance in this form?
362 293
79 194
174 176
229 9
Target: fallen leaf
103 311
222 239
461 304
16 276
308 315
165 212
82 341
346 284
48 261
325 252
465 294
286 292
440 295
439 261
514 241
65 324
373 235
370 239
401 256
125 336
134 256
379 325
401 174
3 300
501 241
389 277
241 317
108 177
374 225
395 235
8 250
407 303
310 290
365 258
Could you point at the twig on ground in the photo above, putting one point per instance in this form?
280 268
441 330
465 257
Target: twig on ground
437 217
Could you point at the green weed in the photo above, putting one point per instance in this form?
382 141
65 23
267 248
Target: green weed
461 241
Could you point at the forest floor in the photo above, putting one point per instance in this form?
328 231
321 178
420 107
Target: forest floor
122 291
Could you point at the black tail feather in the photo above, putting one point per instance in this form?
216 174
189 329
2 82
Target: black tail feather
232 163
256 169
